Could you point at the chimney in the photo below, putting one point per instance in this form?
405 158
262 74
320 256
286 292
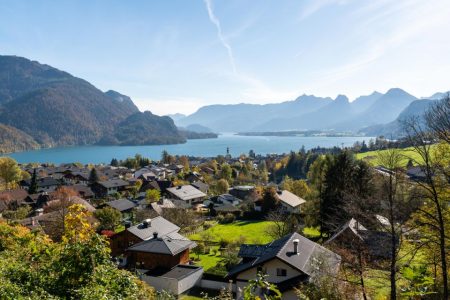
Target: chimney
155 235
39 212
296 241
146 223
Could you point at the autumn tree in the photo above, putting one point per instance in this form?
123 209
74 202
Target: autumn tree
222 186
108 218
152 195
10 172
433 188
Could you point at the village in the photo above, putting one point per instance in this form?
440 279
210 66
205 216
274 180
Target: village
190 226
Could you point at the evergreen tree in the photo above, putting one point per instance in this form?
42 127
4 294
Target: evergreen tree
93 177
33 184
114 162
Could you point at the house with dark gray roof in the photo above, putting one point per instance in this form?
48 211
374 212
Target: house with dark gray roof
287 262
122 205
109 187
159 253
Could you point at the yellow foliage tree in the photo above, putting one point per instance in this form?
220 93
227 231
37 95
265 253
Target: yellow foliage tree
78 227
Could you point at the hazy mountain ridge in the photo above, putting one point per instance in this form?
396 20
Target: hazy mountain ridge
305 113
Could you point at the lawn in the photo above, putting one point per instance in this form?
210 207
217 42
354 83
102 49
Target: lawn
250 232
372 156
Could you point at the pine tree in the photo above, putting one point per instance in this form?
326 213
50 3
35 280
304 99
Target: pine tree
33 184
93 177
114 162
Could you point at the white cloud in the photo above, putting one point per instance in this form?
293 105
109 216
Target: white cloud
216 22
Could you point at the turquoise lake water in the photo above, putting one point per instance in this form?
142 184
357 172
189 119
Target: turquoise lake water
206 148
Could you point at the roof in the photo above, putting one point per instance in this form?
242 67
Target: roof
14 195
290 198
121 204
82 189
186 192
305 261
113 183
200 185
352 225
178 272
158 224
170 244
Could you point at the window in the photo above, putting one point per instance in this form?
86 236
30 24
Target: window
281 272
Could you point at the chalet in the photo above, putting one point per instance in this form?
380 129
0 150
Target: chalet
416 173
287 262
141 232
200 185
353 235
187 193
290 202
77 178
110 187
84 191
242 191
12 199
160 185
223 204
159 254
124 206
46 184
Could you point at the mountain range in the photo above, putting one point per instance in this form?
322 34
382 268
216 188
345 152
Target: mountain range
41 106
366 114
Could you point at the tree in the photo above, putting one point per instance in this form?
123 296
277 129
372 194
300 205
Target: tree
9 171
438 119
114 162
222 186
260 288
152 196
269 200
226 172
62 199
93 177
433 189
108 217
281 224
33 184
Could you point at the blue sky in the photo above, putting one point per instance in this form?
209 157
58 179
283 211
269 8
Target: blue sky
175 56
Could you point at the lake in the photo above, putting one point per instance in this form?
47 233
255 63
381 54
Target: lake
206 148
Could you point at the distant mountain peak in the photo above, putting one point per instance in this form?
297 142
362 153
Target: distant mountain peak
396 92
342 98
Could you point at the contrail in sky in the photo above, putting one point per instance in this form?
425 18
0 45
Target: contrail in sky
216 22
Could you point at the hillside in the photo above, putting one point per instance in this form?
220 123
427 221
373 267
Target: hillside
13 140
55 108
144 128
394 129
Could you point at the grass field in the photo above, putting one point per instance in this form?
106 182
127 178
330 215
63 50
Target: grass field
372 156
252 232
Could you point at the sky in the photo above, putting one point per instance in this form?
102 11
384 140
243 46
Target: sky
174 56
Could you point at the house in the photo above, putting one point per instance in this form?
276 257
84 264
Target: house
200 185
46 184
290 202
77 178
109 187
417 173
159 254
353 235
187 193
124 206
84 191
287 262
242 191
141 232
223 204
12 199
160 185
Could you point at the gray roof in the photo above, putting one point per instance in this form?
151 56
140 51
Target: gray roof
158 224
283 249
290 199
186 192
113 183
200 186
170 244
121 204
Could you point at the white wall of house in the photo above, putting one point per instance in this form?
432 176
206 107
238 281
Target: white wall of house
270 268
